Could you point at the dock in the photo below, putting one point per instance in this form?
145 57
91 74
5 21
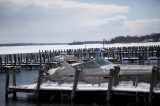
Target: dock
121 55
72 92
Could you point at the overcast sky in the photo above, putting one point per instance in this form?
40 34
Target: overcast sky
51 21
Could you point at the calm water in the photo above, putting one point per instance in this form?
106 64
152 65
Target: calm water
24 77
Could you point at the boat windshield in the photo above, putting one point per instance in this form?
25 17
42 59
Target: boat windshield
90 64
102 61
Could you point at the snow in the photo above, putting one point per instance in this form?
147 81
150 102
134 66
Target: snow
123 86
52 71
36 48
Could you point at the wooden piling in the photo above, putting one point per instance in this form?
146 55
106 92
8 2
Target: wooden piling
110 84
14 81
7 82
152 84
26 62
1 64
116 75
76 77
39 78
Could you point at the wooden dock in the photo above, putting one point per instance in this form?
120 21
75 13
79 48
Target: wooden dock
75 90
121 55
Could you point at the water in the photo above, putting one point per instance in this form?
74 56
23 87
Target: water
24 77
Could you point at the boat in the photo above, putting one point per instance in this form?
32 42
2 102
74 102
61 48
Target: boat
94 76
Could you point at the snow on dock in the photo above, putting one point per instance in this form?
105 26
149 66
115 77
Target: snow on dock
125 86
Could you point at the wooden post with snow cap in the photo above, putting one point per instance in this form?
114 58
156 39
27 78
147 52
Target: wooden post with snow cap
26 62
14 81
5 60
158 55
110 83
1 63
39 77
6 82
115 76
19 62
76 77
152 83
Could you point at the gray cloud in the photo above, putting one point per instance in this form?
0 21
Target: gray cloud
60 20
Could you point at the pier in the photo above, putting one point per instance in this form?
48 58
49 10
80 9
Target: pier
121 55
75 91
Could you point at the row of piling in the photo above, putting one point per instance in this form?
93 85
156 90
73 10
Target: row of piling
141 55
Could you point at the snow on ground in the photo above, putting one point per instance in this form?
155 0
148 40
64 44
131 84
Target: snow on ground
36 48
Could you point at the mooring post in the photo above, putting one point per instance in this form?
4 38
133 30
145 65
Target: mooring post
6 82
39 77
120 55
110 83
158 54
152 84
5 61
14 81
26 62
19 61
116 75
76 77
1 63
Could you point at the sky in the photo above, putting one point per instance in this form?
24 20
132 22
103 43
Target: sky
59 21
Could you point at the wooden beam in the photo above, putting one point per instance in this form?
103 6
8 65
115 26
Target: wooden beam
110 83
152 84
14 81
73 94
116 75
6 83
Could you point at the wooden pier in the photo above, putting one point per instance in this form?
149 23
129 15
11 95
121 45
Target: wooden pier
74 94
44 60
121 55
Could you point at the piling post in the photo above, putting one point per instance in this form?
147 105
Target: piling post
76 77
26 62
19 61
11 60
120 55
14 81
158 55
39 78
5 60
152 84
1 63
110 83
7 57
116 75
6 83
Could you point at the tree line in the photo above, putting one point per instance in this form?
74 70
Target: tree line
154 37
